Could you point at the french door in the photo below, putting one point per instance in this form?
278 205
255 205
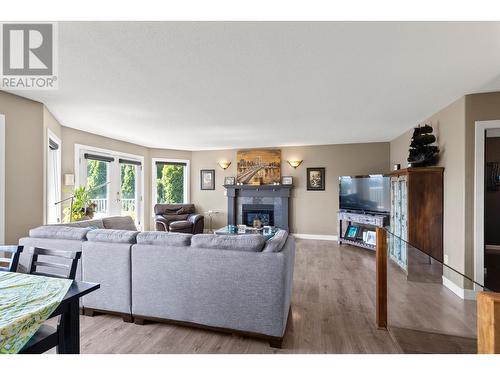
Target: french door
114 182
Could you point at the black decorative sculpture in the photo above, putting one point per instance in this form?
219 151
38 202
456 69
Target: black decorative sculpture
422 152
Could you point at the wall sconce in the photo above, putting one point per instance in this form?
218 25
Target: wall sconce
69 179
224 164
294 163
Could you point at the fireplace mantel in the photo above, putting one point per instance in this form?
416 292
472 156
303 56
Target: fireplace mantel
278 195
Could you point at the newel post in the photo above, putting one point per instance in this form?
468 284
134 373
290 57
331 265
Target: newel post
381 257
488 323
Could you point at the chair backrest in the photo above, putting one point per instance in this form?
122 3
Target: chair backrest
13 261
171 209
69 266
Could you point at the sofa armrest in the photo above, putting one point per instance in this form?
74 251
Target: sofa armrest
198 222
161 223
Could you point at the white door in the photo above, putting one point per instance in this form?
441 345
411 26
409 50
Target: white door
128 202
114 182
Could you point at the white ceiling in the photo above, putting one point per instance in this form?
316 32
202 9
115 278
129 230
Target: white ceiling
210 85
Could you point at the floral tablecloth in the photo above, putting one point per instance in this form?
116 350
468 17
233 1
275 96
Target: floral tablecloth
26 301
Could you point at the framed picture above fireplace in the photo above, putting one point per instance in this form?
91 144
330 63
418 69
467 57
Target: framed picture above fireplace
259 166
315 178
207 179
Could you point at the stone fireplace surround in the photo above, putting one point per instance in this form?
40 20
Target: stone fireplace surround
276 195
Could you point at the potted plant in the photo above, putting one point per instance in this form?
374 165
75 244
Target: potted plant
82 207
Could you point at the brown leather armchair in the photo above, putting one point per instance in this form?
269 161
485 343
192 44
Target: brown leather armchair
178 218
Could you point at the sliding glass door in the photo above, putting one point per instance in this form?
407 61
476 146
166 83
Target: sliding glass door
114 183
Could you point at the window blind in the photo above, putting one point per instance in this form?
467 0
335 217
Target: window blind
98 157
128 161
53 145
170 163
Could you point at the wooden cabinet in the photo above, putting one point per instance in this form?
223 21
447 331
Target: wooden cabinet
417 212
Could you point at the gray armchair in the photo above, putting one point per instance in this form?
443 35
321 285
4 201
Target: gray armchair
178 218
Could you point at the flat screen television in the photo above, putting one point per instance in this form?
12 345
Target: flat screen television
369 194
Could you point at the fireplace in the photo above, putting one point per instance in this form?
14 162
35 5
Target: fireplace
270 202
265 212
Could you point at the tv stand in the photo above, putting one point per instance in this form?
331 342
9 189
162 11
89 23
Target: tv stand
365 220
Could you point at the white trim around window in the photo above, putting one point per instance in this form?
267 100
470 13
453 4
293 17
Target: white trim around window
187 179
57 140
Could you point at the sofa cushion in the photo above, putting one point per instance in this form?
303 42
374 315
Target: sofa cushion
119 222
247 242
173 209
276 242
170 218
97 223
164 238
112 235
59 232
185 210
181 224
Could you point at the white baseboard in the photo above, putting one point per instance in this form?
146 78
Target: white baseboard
324 237
467 294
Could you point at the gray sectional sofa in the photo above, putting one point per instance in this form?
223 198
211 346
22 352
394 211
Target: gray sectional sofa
235 283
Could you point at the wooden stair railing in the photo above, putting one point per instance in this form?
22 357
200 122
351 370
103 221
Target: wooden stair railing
488 323
381 258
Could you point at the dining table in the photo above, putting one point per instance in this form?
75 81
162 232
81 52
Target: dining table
26 301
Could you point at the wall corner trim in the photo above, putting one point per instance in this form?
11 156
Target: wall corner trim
467 294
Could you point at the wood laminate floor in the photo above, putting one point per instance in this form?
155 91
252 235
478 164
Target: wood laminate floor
333 311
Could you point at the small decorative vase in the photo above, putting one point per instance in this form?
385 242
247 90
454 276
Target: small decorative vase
257 223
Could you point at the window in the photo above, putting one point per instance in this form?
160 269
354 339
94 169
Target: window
53 179
170 181
114 181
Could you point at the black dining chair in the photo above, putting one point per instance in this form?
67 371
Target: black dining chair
68 267
12 262
47 336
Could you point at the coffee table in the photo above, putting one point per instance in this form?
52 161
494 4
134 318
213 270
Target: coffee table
249 230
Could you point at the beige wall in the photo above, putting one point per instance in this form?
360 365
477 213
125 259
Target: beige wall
24 165
449 128
311 212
